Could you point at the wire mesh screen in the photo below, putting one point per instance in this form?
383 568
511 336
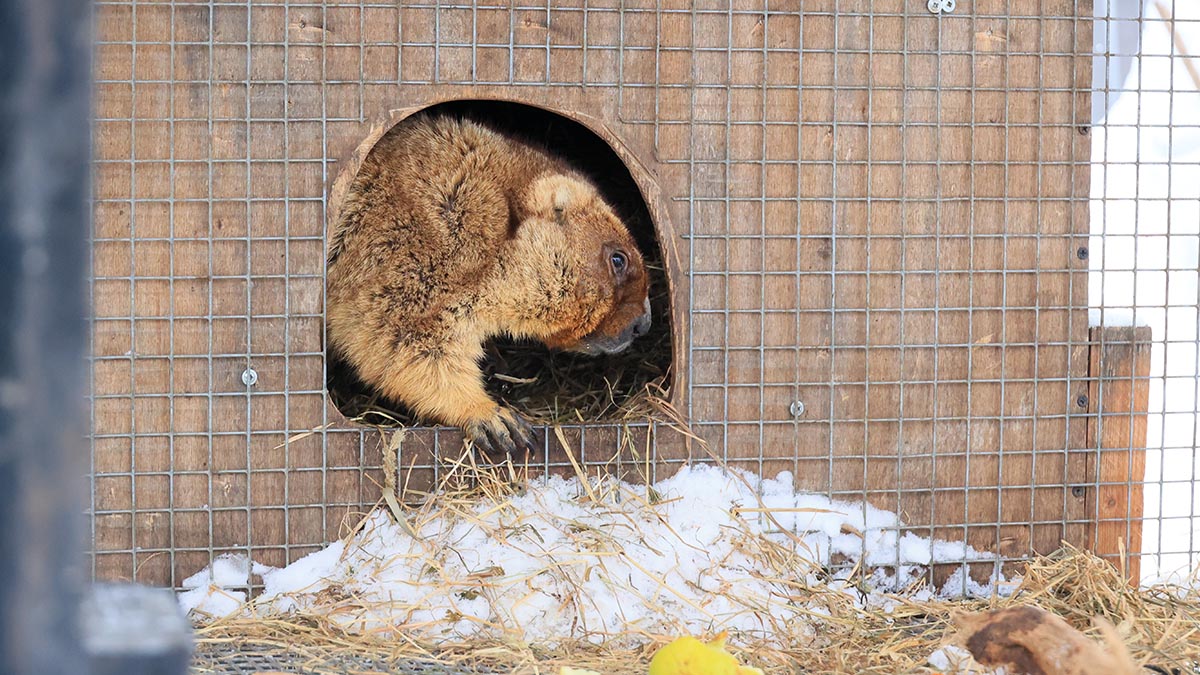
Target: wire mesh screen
880 214
1146 234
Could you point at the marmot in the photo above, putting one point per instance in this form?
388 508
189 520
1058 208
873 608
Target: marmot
453 233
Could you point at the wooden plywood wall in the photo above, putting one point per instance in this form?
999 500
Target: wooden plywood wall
878 212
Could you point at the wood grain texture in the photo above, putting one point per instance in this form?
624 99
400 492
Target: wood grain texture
875 211
1119 399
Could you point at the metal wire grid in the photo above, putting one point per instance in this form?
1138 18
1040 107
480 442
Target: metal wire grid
867 380
231 661
229 259
1146 234
315 80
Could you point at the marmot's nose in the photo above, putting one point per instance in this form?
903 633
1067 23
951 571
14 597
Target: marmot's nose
642 325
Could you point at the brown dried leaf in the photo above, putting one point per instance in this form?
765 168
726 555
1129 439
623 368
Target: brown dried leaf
1032 641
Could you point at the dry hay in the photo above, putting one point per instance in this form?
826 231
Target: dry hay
893 634
1160 625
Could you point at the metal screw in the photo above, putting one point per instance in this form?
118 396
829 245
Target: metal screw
797 408
249 377
941 6
1082 401
1081 253
1077 491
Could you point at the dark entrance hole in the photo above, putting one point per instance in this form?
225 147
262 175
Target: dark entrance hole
546 386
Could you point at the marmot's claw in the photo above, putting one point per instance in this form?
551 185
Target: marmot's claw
520 431
507 433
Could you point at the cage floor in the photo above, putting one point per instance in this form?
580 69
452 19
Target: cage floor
245 659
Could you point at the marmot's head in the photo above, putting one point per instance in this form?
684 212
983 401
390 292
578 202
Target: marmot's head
597 272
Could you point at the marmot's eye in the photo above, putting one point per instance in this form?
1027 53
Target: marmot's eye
619 261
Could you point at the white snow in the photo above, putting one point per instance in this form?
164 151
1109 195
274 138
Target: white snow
955 659
226 570
306 574
1145 252
564 560
212 600
210 591
961 585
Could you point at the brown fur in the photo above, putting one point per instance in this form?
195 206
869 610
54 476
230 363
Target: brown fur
451 234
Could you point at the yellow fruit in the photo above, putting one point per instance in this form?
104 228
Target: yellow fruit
689 656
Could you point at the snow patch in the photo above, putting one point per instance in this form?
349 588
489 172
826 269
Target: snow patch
955 659
563 560
230 569
304 575
210 591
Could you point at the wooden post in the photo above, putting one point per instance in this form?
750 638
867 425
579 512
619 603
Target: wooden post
1118 399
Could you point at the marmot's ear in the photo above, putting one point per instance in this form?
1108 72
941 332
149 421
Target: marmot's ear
562 199
553 195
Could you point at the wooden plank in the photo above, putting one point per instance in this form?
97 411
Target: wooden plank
937 185
1118 401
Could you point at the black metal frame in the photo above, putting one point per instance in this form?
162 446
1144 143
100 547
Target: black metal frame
45 143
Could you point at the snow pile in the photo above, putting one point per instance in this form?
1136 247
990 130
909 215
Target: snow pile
956 660
210 590
708 548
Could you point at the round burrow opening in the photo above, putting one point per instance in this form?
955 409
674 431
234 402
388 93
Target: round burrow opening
549 387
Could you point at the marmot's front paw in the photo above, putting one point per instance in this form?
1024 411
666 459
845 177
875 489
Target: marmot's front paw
505 433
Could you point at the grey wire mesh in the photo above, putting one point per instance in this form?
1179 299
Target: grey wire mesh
882 216
250 659
1146 229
